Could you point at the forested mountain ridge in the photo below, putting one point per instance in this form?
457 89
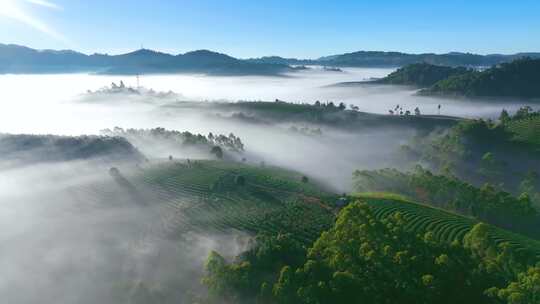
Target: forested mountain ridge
519 78
420 74
21 59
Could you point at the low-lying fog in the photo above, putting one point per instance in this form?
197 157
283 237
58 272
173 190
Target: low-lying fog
47 103
70 234
54 248
58 104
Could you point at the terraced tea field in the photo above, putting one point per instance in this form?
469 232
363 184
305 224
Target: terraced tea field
210 197
445 225
214 196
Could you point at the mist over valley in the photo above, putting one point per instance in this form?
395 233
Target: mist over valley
269 153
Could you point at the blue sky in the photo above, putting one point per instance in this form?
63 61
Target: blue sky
242 28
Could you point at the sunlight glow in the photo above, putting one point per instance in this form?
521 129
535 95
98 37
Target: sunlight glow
12 9
45 4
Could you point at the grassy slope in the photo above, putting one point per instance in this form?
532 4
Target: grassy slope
203 196
445 225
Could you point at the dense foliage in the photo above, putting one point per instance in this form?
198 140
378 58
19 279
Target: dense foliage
486 203
519 78
421 74
255 271
504 154
364 259
526 289
178 140
525 126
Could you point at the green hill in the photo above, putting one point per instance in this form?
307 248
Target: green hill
323 114
420 74
16 149
156 220
445 225
215 196
519 78
480 152
486 203
382 249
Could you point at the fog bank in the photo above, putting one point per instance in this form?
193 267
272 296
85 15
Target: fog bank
70 234
51 103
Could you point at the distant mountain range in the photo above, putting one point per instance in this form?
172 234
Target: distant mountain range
397 59
21 59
